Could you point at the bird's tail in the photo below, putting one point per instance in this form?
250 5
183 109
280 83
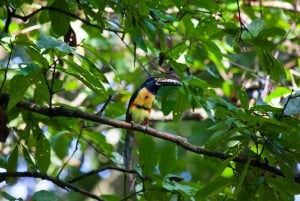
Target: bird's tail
128 149
129 181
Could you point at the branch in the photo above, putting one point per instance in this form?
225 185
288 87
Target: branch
180 141
26 17
276 4
58 182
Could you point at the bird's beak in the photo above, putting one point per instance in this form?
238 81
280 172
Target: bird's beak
167 82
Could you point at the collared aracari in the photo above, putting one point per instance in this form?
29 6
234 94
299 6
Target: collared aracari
139 109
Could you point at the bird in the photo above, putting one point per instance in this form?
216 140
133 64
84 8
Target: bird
139 108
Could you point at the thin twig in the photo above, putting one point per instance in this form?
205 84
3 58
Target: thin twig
58 182
26 17
286 104
242 26
72 154
99 113
93 172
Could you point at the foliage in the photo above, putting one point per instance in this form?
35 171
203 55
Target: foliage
89 55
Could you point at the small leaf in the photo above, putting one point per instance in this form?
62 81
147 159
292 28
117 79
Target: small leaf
13 160
44 195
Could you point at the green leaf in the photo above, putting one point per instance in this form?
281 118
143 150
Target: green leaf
148 155
60 143
174 186
100 141
278 92
242 177
271 65
50 43
60 21
88 73
138 39
167 159
30 163
253 29
272 32
180 106
89 65
111 197
209 5
12 162
19 84
10 197
44 195
3 161
169 98
37 56
212 188
42 154
243 98
41 92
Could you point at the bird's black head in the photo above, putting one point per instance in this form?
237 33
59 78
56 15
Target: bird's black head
153 84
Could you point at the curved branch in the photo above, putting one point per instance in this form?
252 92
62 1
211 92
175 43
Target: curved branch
180 141
58 182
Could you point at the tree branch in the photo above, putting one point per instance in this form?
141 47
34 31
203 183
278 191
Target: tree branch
180 141
26 17
58 182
